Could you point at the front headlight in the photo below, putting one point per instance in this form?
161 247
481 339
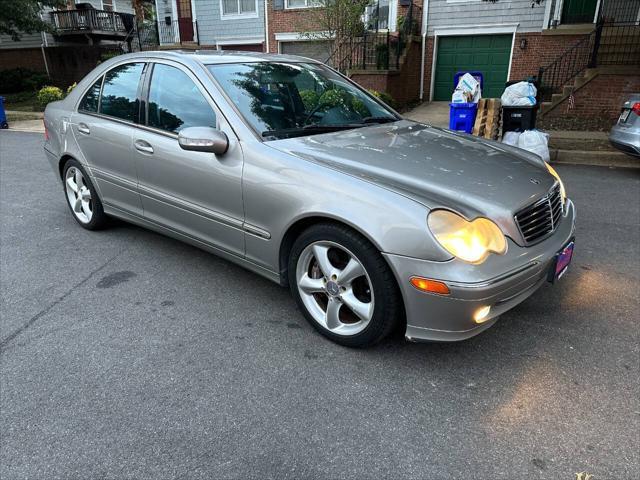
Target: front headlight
563 192
469 241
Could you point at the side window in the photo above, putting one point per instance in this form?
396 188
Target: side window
89 102
175 102
120 92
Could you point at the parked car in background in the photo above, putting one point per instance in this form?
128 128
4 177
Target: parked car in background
625 135
292 170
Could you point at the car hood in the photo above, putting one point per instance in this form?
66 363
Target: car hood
434 166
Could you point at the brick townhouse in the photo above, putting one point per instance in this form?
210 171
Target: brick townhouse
587 48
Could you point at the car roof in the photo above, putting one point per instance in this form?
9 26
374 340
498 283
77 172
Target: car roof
212 57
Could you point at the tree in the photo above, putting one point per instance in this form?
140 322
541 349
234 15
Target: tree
337 23
23 16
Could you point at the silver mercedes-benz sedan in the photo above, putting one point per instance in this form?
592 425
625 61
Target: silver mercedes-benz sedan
288 168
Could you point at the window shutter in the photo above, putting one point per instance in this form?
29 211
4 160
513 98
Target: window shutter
278 4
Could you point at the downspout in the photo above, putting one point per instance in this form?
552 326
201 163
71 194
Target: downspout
45 43
425 16
266 25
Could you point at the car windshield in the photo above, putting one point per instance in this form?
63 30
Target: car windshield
282 100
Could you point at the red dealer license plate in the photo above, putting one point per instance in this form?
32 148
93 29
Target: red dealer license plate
563 259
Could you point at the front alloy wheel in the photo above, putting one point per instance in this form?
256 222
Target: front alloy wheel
335 288
343 285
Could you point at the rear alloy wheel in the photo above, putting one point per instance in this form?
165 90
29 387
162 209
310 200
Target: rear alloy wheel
343 285
82 198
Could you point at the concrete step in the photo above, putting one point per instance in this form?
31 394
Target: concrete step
600 159
580 141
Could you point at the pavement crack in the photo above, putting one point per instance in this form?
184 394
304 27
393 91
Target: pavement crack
29 323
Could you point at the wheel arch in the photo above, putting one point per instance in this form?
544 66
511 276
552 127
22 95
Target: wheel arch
62 162
300 225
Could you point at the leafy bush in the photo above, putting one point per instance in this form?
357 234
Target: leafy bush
384 96
47 95
71 87
309 99
332 98
21 79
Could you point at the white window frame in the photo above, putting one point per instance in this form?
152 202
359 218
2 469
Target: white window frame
307 3
113 5
238 16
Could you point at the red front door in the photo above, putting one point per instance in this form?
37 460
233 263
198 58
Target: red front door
185 22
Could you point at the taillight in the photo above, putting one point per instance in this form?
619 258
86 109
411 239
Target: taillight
636 108
46 132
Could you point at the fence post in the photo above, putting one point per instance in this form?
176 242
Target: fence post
388 53
596 45
364 51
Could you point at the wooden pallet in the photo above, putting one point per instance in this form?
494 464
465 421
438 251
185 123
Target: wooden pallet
488 119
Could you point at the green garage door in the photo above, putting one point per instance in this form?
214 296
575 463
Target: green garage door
488 54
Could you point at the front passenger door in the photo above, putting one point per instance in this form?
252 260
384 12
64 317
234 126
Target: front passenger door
195 193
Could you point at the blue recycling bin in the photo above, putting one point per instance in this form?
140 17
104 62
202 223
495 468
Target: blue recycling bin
3 115
462 116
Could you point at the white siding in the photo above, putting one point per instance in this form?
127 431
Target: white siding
475 13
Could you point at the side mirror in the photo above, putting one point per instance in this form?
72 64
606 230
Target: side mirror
203 139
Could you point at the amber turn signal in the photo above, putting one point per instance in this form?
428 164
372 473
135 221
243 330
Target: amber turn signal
431 286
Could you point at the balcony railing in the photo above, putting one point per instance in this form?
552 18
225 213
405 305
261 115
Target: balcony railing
92 21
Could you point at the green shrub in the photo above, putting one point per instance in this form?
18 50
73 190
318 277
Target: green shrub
47 95
384 96
21 79
332 98
71 87
309 99
358 106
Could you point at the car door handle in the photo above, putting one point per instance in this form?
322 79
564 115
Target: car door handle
143 146
84 128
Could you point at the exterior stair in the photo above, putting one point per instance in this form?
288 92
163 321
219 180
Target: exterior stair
574 85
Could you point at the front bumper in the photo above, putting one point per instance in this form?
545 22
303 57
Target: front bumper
501 282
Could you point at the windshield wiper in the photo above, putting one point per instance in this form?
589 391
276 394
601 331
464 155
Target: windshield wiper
379 119
310 129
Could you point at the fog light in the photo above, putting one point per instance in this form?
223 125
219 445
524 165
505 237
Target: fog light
481 314
431 286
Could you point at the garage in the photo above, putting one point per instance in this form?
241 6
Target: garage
318 50
489 54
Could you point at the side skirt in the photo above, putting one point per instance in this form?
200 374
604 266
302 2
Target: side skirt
143 222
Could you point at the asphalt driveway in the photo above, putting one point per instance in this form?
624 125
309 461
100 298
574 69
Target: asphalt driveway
125 354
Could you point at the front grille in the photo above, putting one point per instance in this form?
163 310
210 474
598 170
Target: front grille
541 218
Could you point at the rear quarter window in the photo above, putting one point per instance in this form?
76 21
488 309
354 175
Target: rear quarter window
89 102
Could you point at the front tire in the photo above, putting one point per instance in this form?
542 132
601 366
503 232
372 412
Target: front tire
82 197
343 285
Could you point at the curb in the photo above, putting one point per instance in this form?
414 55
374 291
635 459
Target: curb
594 158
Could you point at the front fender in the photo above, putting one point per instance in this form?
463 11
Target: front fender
280 190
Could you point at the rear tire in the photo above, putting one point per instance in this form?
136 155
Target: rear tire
82 197
343 285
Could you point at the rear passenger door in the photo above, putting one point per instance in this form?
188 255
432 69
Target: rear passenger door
195 193
103 128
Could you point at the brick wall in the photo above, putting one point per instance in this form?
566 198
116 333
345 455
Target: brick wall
30 58
599 101
541 50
